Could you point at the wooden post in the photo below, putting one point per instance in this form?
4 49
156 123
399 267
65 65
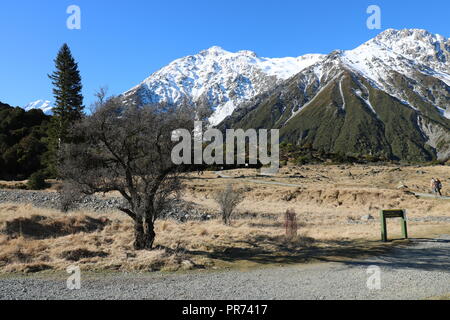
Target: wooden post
404 227
383 227
387 214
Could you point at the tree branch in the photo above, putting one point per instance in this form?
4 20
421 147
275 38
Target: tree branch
130 213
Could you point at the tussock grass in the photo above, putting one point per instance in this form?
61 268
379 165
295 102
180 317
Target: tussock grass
180 246
329 206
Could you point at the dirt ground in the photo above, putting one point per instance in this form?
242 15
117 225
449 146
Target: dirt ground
331 202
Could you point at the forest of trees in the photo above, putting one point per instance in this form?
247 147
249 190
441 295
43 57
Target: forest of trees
23 145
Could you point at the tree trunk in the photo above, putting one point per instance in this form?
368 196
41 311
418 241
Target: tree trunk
139 236
149 229
144 231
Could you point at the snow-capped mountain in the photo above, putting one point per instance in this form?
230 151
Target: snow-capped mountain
43 105
220 79
388 97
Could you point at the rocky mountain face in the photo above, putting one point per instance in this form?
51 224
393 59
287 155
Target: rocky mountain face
389 97
217 79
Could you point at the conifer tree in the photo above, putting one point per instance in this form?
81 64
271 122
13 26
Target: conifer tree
68 107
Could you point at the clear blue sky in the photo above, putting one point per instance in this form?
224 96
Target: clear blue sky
122 42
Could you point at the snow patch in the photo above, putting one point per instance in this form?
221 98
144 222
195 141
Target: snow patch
44 105
342 94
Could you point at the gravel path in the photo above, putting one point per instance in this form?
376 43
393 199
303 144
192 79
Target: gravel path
413 272
432 196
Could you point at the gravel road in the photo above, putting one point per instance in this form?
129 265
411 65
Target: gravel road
432 196
418 271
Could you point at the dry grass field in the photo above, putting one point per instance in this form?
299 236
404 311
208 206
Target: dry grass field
329 200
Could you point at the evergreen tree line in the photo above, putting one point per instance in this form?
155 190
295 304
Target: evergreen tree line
23 142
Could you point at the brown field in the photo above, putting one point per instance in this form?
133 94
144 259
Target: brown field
329 201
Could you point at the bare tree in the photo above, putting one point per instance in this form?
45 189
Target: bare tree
228 200
126 149
101 96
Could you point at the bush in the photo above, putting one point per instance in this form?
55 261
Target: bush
302 160
228 200
290 223
37 181
78 254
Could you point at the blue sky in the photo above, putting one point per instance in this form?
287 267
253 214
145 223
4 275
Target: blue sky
122 42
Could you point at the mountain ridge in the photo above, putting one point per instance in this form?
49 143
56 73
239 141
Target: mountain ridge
218 78
370 99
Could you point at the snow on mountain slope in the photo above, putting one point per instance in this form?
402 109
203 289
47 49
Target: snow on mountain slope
402 51
218 78
223 80
285 68
414 54
43 105
432 50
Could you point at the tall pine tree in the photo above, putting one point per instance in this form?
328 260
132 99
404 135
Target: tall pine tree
68 106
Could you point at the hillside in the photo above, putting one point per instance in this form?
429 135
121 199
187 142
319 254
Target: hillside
22 145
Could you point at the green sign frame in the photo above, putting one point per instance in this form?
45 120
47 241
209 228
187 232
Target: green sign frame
389 214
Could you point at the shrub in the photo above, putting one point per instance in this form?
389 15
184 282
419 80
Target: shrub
290 222
81 253
302 160
37 181
228 200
